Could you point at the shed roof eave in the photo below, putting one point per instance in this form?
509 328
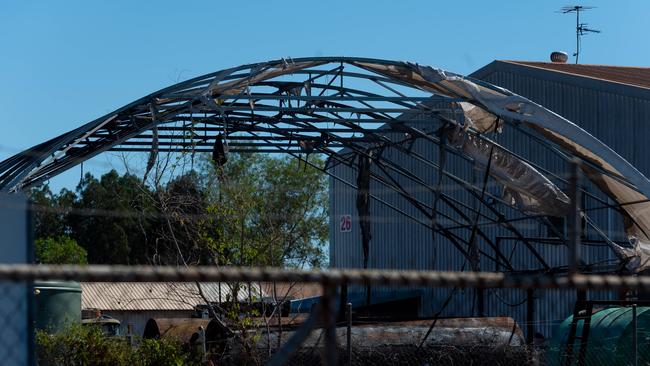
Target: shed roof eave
580 80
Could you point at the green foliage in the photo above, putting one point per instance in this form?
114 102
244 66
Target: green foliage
256 210
162 352
181 205
110 218
267 211
60 250
51 211
88 345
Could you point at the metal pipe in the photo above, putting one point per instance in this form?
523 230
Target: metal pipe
530 316
349 334
634 336
574 217
343 300
329 324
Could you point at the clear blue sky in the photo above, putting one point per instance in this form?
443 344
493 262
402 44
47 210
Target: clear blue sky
63 63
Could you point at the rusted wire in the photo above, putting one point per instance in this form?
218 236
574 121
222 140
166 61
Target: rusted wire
104 273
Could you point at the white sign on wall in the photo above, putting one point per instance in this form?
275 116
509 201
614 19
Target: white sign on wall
345 224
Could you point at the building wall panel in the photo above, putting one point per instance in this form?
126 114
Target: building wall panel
612 113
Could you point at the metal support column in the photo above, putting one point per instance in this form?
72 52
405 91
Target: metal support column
530 316
343 301
348 308
329 324
635 356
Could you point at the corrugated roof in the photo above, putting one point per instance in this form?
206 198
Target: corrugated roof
155 295
637 76
292 291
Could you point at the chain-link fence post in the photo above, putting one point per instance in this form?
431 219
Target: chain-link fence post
348 307
635 356
329 323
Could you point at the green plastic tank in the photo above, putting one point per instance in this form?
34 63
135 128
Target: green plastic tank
610 338
56 304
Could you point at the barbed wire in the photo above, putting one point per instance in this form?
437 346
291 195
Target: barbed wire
332 277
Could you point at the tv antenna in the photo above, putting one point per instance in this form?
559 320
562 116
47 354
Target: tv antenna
581 28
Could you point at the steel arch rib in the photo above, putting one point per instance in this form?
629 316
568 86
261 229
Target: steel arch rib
227 98
15 172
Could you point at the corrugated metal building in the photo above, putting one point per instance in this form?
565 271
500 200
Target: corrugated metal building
133 303
609 102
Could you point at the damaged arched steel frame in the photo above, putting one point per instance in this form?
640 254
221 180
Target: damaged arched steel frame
356 108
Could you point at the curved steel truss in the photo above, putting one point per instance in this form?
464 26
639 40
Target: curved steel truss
351 110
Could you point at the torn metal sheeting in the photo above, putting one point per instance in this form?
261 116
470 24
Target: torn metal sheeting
524 186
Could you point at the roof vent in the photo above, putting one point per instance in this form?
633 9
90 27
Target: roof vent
559 57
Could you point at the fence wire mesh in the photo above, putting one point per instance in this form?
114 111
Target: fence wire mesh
244 333
14 319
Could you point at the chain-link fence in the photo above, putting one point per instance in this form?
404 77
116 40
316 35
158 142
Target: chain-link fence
329 332
15 332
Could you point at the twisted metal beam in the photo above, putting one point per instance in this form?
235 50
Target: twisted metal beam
336 106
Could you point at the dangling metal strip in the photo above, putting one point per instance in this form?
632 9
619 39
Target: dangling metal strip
153 155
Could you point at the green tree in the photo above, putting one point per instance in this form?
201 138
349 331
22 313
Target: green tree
60 250
266 211
50 211
256 210
181 204
111 219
